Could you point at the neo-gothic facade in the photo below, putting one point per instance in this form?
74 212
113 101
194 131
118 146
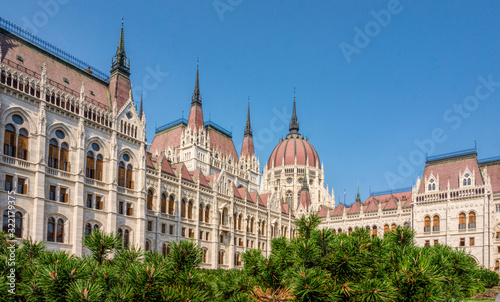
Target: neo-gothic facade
74 159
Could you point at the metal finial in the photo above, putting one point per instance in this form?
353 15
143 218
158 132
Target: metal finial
197 62
122 21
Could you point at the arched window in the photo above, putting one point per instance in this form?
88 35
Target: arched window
164 249
430 187
94 165
121 174
9 146
125 238
147 245
51 226
237 261
163 206
433 187
204 251
207 214
190 209
472 220
125 177
171 205
289 197
339 231
349 231
374 231
263 228
88 229
435 223
149 201
129 180
18 223
183 208
427 224
221 257
224 216
239 222
60 230
200 213
497 265
461 221
16 143
386 229
393 227
251 226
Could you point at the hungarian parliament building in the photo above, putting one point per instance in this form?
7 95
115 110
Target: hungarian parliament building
75 159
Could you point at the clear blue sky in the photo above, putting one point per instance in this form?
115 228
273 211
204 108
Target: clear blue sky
362 116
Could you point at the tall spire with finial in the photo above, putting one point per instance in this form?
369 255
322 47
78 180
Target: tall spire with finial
247 148
140 108
248 127
120 61
196 113
294 124
196 94
304 182
358 196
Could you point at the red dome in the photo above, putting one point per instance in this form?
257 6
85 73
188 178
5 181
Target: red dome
294 146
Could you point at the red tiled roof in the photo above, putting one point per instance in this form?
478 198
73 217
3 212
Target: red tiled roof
169 138
339 210
448 169
165 167
391 204
263 199
149 161
223 143
237 192
119 87
198 176
247 149
370 207
212 178
323 212
305 199
195 117
493 171
57 70
285 208
407 203
252 197
293 147
355 208
184 172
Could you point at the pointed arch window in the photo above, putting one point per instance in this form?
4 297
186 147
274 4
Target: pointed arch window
88 229
289 197
393 227
51 225
16 142
18 223
149 201
427 224
204 251
386 229
374 231
171 205
59 154
125 174
462 221
435 223
200 213
207 214
183 208
163 205
94 164
60 230
190 209
472 220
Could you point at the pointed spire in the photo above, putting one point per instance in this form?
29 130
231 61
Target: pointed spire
248 127
140 107
120 61
294 124
196 94
304 182
358 197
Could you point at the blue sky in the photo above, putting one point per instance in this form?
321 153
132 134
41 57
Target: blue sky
371 77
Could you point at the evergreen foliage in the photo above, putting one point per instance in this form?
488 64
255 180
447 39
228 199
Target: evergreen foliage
319 265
